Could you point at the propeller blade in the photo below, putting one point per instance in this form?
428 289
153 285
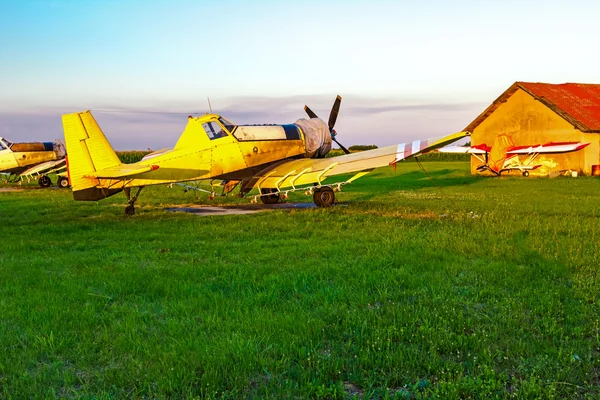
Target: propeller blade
334 112
342 147
310 112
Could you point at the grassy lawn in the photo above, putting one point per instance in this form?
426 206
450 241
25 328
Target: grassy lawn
481 287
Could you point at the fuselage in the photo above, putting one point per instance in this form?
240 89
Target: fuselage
17 157
212 148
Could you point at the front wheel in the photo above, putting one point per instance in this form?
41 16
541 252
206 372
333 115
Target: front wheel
525 174
63 182
271 198
324 197
44 181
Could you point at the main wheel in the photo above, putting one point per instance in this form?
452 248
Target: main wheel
130 210
525 174
44 181
270 199
324 197
63 182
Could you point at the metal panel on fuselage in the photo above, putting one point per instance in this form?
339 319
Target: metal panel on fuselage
255 145
7 161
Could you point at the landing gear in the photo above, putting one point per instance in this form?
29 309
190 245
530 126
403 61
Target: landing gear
525 174
271 198
63 182
130 209
324 196
44 181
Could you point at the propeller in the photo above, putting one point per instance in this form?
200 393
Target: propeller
335 110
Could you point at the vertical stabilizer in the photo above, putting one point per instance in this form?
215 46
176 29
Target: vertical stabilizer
498 153
88 151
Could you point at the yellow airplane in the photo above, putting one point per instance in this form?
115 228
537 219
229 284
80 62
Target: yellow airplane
19 161
275 159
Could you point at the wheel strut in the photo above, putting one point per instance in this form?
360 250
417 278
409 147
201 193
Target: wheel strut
130 209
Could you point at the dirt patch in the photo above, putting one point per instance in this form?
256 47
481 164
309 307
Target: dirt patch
10 190
240 209
353 390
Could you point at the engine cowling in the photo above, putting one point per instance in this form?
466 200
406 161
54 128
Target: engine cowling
317 137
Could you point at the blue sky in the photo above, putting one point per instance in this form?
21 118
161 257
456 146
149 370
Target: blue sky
406 69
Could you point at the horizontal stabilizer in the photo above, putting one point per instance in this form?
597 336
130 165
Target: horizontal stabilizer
121 171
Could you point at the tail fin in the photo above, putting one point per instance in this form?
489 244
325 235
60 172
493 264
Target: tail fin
88 151
498 153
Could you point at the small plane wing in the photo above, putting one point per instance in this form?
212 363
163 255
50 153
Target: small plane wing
310 170
44 167
552 147
121 171
462 150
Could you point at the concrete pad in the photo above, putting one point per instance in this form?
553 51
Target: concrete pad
240 209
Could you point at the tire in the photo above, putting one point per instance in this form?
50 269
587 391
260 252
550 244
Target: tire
270 199
63 182
44 181
130 210
525 174
324 197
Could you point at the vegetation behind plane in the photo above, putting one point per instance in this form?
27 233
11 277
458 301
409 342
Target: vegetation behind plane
133 156
433 156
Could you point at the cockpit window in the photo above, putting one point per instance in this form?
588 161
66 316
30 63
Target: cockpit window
227 124
6 143
2 146
214 130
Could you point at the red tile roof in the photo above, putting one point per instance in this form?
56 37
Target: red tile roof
578 103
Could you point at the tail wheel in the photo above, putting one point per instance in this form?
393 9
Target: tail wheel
270 199
63 182
44 181
324 197
525 174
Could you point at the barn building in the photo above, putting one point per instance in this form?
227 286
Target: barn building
538 113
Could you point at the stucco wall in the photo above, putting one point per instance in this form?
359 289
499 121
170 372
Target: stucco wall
530 122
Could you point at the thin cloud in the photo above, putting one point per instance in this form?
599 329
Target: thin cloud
156 125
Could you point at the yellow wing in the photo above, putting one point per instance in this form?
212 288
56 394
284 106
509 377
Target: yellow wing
45 168
308 171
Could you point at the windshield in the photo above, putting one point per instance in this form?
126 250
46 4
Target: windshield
214 130
227 124
2 146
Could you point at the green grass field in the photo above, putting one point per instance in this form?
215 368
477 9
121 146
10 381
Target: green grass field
482 288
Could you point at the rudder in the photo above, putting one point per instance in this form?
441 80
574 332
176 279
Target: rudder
88 151
499 151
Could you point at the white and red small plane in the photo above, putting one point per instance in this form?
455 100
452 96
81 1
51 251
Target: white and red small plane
503 155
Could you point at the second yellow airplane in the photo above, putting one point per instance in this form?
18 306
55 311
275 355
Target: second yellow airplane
275 159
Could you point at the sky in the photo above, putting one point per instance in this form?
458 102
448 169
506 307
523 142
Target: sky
405 69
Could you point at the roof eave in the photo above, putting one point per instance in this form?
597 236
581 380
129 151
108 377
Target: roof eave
492 107
559 111
512 90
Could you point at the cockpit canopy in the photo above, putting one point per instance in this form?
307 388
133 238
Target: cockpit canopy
218 128
5 144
